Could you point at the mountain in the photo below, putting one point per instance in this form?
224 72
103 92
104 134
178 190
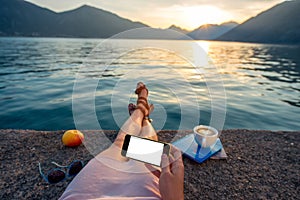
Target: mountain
178 29
21 18
280 24
18 17
211 31
87 21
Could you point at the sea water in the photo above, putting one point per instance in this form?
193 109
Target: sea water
258 85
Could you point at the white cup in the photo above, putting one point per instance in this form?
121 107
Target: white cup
205 136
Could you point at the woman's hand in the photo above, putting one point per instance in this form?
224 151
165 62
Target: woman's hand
172 176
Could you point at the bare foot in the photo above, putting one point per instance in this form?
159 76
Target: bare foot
142 102
132 107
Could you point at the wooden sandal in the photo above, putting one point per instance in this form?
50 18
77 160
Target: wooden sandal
143 101
132 107
145 112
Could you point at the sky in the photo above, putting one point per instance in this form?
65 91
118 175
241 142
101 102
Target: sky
188 14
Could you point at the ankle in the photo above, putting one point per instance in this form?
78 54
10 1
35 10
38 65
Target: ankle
143 108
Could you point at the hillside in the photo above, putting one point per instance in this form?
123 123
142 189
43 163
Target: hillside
87 21
211 31
178 29
21 18
279 24
18 17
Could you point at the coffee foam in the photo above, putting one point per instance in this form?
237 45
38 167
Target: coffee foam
205 131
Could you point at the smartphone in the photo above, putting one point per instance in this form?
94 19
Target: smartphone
145 150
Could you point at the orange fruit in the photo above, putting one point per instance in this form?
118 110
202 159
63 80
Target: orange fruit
72 138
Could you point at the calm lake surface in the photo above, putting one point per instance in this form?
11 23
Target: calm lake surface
260 83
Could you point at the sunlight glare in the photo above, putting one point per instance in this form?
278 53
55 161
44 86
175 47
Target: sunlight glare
204 45
198 15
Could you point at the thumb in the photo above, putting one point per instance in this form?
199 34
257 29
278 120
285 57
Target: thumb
165 164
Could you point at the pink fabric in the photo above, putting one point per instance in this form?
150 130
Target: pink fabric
107 178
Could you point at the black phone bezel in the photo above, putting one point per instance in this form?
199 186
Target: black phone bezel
125 145
166 149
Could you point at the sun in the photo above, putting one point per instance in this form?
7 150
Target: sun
198 15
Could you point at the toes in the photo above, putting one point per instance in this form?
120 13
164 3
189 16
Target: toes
140 84
140 87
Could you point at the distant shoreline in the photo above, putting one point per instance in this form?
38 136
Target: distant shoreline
276 25
260 164
91 38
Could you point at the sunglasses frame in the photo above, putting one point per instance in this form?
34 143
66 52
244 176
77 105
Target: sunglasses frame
67 173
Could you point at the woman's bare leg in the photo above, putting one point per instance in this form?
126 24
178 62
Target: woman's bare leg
148 131
132 126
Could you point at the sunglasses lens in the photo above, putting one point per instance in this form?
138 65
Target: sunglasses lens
56 176
75 168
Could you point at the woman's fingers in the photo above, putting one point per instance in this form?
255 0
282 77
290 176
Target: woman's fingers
172 163
178 157
171 159
165 168
177 165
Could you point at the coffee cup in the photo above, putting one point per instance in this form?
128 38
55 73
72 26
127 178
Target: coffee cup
205 136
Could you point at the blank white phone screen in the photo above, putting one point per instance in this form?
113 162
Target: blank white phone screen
145 150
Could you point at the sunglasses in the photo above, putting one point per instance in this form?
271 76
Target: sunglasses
56 175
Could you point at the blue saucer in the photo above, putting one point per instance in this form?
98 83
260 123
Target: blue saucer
191 149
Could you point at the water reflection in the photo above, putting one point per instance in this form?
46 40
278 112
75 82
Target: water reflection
37 75
273 67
